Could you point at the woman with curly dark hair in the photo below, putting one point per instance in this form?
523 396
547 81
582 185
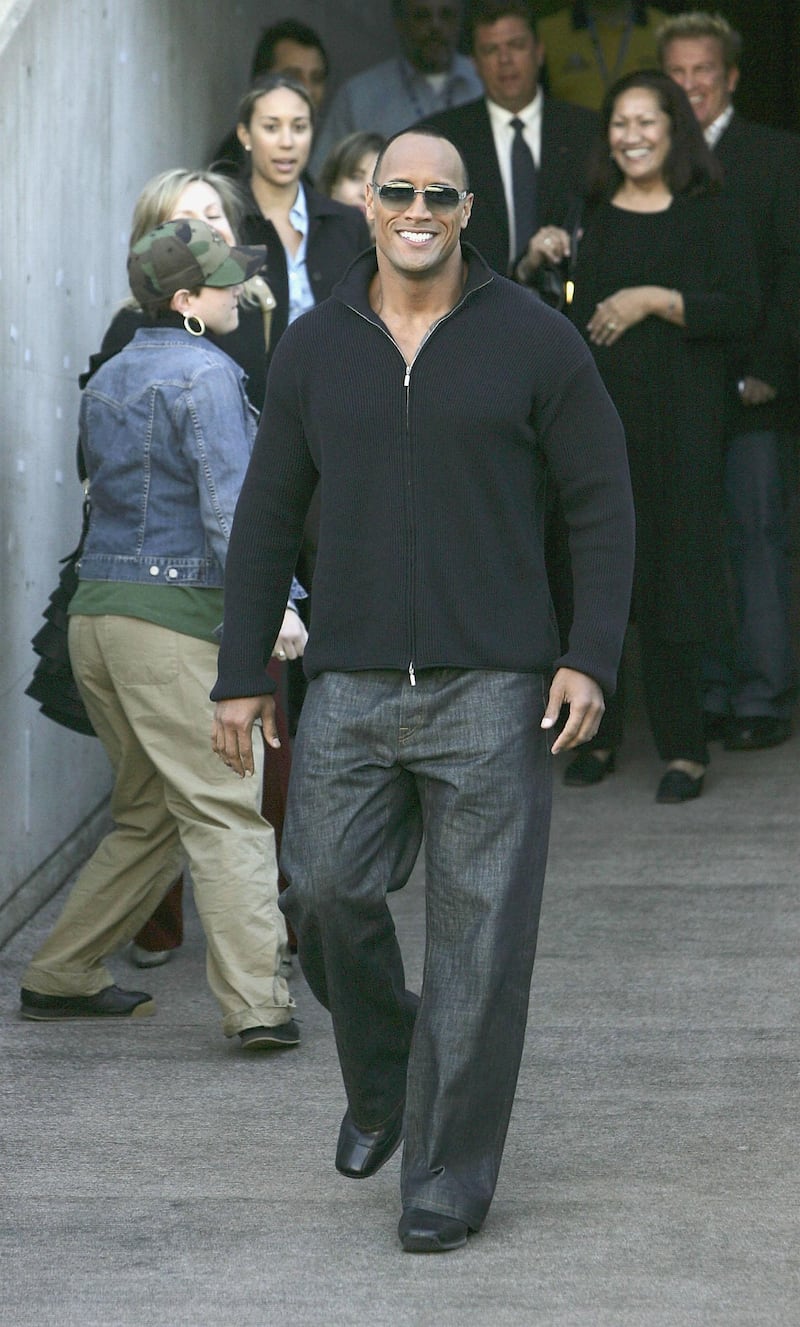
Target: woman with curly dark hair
662 281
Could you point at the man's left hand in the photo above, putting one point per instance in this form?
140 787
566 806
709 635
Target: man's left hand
586 707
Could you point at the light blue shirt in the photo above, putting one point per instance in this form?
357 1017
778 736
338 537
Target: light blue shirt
390 97
301 296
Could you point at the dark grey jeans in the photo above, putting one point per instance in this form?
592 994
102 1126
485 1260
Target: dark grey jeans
377 762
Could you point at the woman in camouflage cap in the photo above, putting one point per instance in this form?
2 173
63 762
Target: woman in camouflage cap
206 195
166 432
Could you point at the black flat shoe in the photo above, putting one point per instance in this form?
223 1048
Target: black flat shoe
757 733
678 786
588 768
360 1152
421 1231
112 1002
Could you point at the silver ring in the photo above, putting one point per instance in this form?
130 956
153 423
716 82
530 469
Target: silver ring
611 327
281 654
548 241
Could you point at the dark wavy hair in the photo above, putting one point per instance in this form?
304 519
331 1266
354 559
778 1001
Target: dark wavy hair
289 29
690 166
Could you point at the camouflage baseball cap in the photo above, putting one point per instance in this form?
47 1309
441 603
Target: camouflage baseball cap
182 255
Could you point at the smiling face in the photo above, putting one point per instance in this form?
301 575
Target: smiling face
639 136
201 202
697 64
278 136
508 59
416 241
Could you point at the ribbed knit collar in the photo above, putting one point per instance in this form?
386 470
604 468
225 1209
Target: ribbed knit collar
353 289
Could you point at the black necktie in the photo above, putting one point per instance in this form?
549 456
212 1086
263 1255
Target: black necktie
523 184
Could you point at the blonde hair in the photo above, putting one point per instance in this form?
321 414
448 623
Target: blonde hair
698 23
157 202
159 198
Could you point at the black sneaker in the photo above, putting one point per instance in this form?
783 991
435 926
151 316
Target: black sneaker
112 1002
270 1039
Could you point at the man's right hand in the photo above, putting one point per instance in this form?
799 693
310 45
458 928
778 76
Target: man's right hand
754 391
232 730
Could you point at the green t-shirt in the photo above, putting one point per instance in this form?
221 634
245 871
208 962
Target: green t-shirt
188 609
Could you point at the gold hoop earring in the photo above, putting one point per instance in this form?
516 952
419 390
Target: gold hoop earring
188 319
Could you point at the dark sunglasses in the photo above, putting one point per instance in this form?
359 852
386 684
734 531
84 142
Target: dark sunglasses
438 197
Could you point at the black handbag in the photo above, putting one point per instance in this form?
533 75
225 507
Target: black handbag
555 283
53 683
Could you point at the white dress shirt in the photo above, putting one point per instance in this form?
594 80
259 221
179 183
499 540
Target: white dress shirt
531 117
717 127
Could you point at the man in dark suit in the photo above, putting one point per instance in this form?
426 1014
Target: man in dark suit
508 57
749 698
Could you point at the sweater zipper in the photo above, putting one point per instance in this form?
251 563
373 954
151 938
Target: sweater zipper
412 676
412 672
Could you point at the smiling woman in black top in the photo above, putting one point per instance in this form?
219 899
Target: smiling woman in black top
662 283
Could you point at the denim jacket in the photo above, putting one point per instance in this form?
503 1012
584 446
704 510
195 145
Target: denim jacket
166 431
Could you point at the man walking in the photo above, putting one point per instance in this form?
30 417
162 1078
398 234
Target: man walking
749 697
428 395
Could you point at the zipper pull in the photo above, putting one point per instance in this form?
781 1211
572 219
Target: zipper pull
411 674
408 375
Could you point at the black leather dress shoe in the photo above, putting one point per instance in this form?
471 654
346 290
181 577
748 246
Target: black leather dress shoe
360 1152
421 1231
757 733
112 1002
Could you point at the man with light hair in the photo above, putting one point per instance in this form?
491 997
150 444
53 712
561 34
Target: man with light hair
749 696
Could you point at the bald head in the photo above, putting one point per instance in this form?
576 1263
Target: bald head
417 144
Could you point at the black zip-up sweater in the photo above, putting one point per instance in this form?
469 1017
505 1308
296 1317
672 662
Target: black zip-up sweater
432 492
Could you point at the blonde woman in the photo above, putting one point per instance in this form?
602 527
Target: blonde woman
166 432
201 195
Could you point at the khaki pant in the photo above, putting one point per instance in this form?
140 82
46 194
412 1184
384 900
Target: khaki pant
146 690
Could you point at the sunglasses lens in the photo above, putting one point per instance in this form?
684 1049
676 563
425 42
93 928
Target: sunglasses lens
441 198
396 195
438 198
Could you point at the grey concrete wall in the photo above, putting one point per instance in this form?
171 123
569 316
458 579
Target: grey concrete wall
95 97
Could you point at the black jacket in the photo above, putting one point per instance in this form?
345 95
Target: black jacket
762 175
568 134
336 235
432 492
